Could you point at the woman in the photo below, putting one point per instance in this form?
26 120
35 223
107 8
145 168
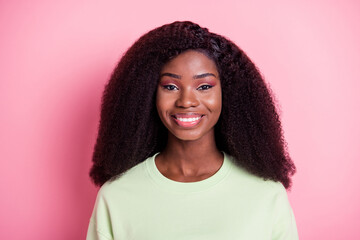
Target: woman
190 144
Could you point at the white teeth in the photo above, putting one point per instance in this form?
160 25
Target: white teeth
188 119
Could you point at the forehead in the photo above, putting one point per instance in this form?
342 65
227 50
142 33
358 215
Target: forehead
191 61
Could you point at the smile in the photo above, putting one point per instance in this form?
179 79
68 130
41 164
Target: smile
187 120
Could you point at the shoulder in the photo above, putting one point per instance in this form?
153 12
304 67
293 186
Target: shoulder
243 180
134 177
113 197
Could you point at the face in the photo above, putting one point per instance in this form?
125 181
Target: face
189 96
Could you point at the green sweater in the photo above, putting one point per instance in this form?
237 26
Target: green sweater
142 204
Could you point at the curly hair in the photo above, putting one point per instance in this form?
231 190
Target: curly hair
130 130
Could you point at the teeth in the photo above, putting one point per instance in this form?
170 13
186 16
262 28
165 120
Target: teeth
188 119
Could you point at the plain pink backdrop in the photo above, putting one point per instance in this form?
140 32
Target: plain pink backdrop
56 56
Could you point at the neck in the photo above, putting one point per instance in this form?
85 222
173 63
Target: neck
189 158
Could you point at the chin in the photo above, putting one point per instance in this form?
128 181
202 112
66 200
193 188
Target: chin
188 136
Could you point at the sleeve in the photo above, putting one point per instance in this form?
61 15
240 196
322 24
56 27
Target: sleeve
285 224
100 227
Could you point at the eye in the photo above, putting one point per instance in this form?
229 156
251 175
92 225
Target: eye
204 87
170 87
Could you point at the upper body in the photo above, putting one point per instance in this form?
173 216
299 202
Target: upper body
231 204
191 96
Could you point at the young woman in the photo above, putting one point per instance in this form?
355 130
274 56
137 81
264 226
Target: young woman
190 145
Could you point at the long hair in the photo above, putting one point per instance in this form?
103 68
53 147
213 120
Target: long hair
130 130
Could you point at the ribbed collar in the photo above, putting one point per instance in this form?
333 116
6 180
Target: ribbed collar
187 187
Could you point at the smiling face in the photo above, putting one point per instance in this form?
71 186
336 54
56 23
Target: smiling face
188 96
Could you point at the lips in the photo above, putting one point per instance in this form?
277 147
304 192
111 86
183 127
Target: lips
187 119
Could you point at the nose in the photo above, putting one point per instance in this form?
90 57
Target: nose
187 98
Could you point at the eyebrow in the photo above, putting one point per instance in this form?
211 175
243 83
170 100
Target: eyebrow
195 76
204 75
171 75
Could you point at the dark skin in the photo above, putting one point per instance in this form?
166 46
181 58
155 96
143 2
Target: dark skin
189 104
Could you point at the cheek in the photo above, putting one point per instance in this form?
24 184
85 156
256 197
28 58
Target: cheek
219 100
214 102
162 103
159 102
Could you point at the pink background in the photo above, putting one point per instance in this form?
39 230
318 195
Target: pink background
56 57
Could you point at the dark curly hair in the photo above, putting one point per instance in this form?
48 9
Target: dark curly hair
249 128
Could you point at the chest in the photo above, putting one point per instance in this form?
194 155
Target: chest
207 215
